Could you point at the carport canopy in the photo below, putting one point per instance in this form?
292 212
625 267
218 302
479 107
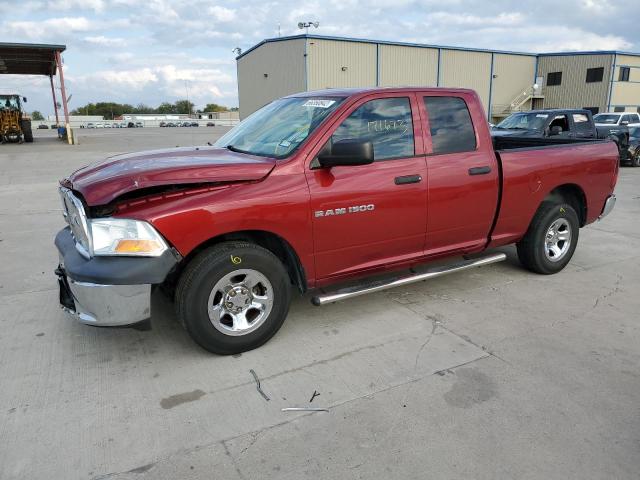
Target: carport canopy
29 59
36 59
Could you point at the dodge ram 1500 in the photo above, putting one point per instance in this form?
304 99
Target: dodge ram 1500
315 189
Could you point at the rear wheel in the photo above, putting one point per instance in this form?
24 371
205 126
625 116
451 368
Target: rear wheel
27 134
551 239
233 297
635 158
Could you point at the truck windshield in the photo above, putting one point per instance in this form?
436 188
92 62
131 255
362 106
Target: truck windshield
606 118
634 133
524 121
279 128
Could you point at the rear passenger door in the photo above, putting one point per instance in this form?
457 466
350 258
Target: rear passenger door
462 174
582 127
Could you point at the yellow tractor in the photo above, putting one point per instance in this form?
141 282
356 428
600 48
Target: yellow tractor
15 124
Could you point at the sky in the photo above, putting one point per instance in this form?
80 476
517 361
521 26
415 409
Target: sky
151 51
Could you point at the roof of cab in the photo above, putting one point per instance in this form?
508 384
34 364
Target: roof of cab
349 92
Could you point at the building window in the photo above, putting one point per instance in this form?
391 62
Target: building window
593 110
554 78
450 123
595 74
623 76
618 109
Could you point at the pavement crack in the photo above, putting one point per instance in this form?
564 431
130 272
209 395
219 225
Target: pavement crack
435 321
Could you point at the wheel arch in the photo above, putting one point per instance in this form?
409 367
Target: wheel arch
573 195
276 244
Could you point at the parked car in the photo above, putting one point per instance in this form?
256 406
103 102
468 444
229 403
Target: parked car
195 124
618 119
131 125
54 126
99 125
211 124
558 125
139 124
42 126
185 124
634 146
163 124
170 124
90 125
345 195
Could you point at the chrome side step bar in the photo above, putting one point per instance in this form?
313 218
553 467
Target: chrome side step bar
358 290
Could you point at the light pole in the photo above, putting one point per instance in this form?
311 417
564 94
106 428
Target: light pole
306 26
186 86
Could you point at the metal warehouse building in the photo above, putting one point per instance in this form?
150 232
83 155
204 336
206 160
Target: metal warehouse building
505 81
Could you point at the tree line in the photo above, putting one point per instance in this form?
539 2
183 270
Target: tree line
112 109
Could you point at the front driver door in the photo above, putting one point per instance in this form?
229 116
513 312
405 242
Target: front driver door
368 215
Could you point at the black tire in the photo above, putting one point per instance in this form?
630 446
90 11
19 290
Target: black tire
201 275
27 134
532 248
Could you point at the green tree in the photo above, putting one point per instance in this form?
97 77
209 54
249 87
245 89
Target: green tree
184 106
214 107
36 115
166 107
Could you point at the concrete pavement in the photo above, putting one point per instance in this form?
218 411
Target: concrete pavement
492 373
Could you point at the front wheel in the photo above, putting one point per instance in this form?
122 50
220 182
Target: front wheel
233 297
551 239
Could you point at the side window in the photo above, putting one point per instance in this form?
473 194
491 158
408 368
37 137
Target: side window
626 119
623 75
450 123
635 118
581 121
595 74
560 121
386 123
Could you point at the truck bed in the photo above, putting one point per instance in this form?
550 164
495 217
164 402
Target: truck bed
511 142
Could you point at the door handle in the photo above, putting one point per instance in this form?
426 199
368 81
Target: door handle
480 170
405 179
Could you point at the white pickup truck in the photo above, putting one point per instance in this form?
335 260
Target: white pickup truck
619 119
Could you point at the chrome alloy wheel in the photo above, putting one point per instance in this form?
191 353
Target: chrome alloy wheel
557 240
240 302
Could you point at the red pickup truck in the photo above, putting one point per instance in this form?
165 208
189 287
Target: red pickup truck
312 190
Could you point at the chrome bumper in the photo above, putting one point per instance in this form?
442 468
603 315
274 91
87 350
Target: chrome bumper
104 305
608 206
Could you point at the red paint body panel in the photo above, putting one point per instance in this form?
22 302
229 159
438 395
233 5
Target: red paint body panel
448 213
102 182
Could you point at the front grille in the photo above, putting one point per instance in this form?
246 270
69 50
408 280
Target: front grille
74 214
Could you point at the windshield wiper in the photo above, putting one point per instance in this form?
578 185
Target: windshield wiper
234 149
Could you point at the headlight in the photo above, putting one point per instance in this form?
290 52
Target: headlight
118 236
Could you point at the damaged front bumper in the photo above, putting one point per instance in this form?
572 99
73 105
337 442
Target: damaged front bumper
108 291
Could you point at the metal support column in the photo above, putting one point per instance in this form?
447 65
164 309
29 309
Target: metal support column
63 92
55 102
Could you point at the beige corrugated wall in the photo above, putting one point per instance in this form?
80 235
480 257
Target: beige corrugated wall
626 94
465 69
339 64
575 92
513 74
408 66
283 62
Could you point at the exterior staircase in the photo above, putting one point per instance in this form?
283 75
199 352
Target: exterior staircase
518 104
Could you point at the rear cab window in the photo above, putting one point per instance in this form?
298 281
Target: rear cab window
450 125
385 122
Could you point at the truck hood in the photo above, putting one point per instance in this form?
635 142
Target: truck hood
102 182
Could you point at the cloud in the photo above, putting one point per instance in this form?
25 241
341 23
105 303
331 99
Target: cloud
103 41
133 51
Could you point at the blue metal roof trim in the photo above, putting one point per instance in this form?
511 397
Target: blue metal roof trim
381 42
426 45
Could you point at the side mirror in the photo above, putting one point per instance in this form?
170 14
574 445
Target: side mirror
347 153
624 122
555 130
24 99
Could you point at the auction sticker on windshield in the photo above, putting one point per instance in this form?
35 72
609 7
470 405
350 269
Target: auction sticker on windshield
318 103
